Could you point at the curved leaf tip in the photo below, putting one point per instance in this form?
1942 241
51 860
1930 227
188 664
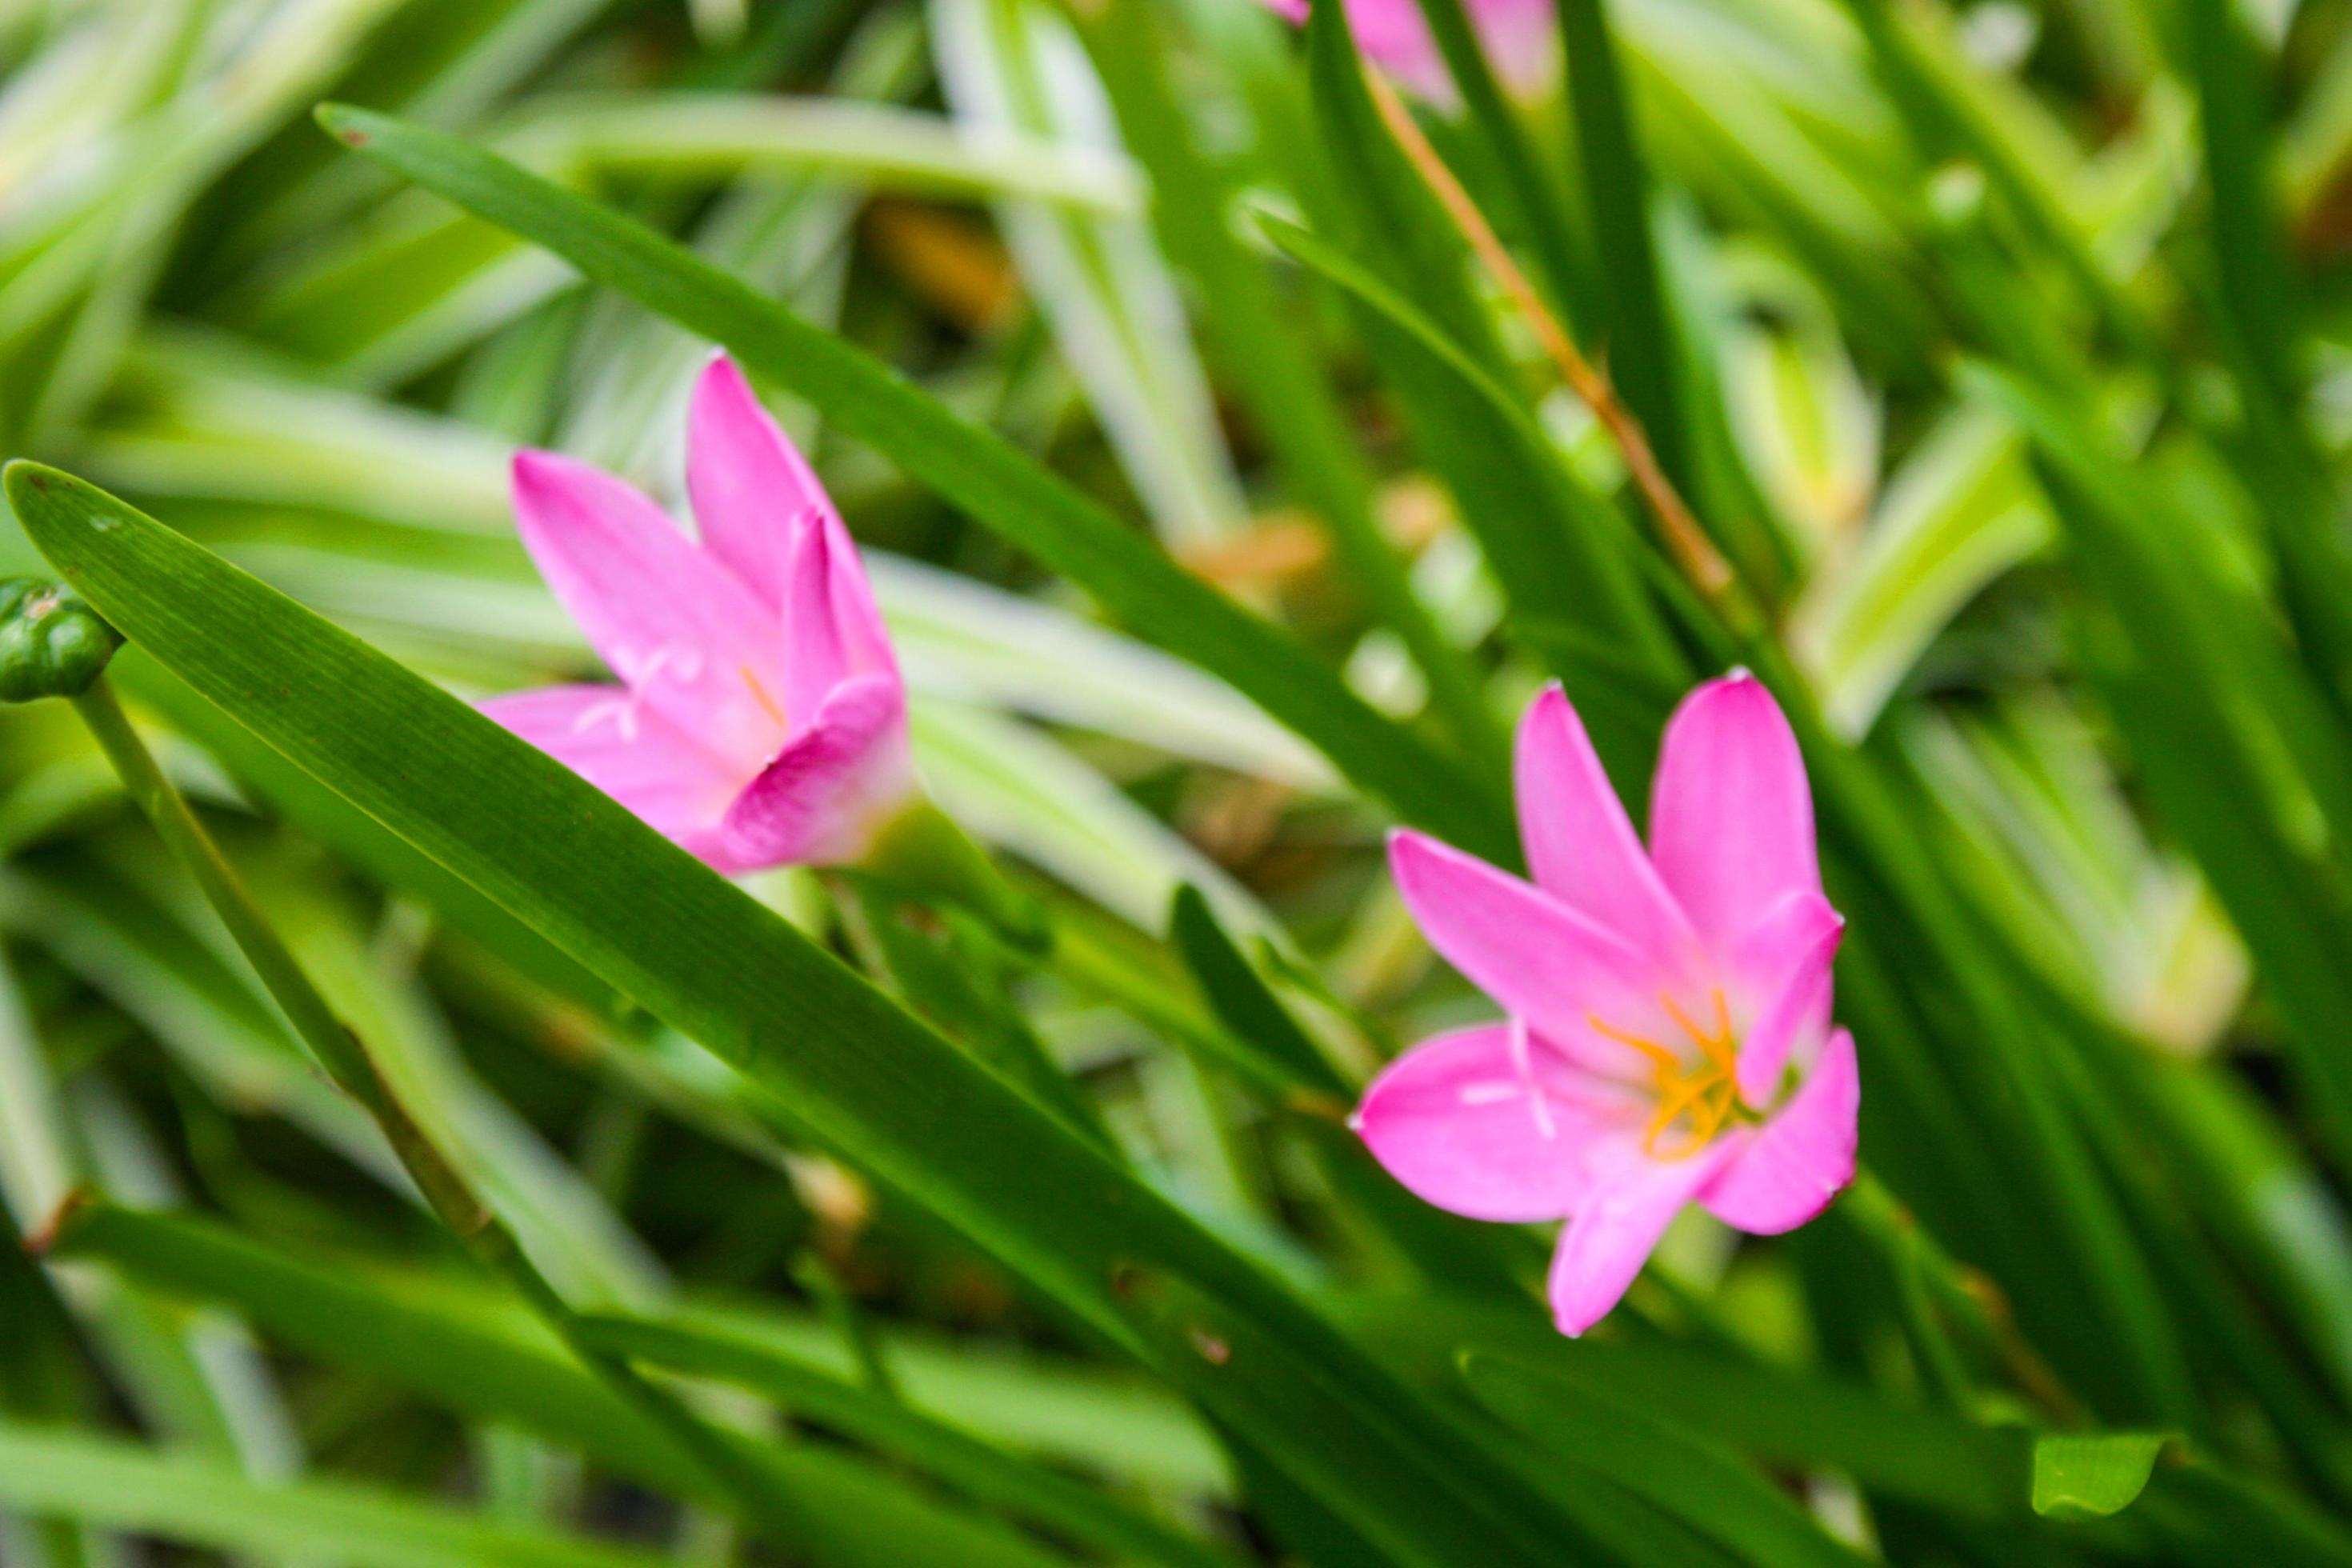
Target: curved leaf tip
2085 1476
49 503
42 499
343 122
22 474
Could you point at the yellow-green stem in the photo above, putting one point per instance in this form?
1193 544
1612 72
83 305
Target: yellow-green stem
1692 551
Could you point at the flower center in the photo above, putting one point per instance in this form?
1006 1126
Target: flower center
1705 1091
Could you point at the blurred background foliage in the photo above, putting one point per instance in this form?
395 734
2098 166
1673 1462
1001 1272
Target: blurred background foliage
2001 350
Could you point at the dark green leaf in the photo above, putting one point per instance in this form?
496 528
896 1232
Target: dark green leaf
1811 1420
1406 275
1639 344
1242 999
1683 1473
1497 433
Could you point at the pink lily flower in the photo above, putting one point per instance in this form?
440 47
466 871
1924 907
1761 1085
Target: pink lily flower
1667 1035
1519 35
760 719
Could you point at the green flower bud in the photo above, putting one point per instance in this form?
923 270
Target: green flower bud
51 643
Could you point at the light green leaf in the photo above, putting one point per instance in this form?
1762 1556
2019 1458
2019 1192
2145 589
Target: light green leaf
2086 1476
1016 788
961 638
706 135
202 1503
1960 511
214 417
1012 67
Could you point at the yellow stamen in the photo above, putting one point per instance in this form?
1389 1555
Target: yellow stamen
1706 1092
1718 1046
760 694
1664 1061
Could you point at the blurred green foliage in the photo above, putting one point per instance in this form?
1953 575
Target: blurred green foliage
1225 505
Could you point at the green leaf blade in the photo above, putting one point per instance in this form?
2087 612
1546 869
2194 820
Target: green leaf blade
968 468
926 1120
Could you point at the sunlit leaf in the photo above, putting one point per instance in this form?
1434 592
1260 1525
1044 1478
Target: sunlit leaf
2076 1478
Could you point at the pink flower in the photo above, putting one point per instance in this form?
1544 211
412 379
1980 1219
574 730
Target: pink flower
1519 35
1667 1037
760 718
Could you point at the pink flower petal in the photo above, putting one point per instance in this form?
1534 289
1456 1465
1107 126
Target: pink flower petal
1489 1122
752 490
1394 34
1541 959
1617 1227
1784 964
839 780
833 632
864 636
1519 37
1788 1171
675 626
1582 846
1731 817
816 655
633 754
1522 41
